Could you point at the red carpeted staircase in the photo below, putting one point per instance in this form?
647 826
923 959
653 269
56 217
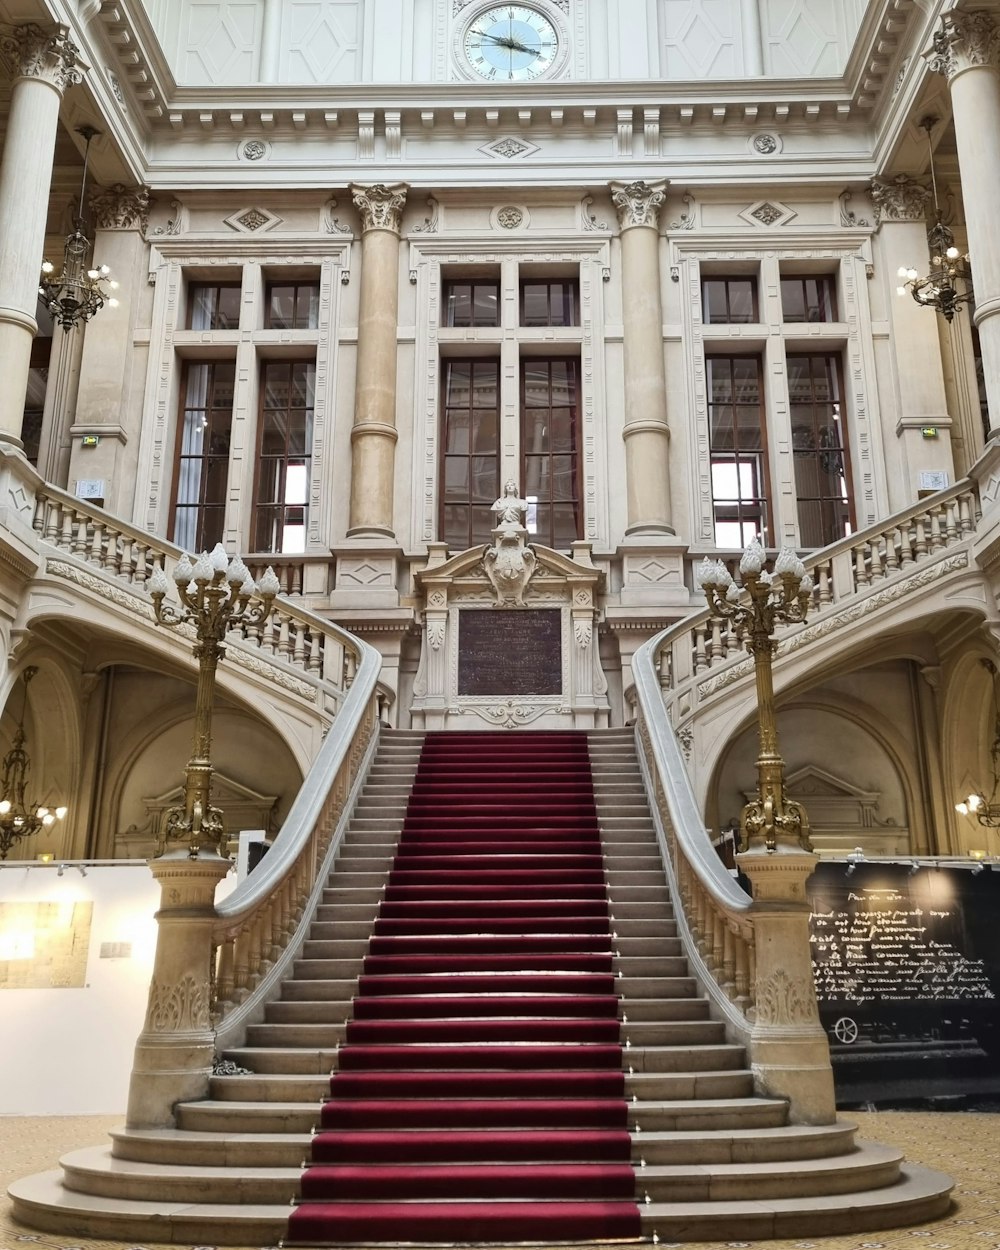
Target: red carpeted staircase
479 1094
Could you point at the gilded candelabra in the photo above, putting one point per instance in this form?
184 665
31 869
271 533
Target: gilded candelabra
770 819
216 595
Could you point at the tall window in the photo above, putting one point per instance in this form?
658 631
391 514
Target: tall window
471 302
549 455
470 473
728 301
818 449
284 451
292 306
737 449
809 299
214 306
206 420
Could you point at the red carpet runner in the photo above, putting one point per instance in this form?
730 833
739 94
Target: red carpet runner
479 1095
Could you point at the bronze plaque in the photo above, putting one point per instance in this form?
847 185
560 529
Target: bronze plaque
510 651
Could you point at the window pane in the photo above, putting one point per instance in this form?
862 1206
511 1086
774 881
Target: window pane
549 456
736 437
741 300
818 449
793 305
485 304
469 466
284 451
282 308
713 292
213 307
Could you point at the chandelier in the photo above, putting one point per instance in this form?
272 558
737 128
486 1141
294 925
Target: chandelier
987 810
77 292
19 819
938 289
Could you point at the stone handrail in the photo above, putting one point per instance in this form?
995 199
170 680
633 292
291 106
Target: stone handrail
254 928
671 687
324 657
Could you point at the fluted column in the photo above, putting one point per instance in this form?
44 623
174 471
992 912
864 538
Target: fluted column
901 205
967 51
374 436
43 64
646 434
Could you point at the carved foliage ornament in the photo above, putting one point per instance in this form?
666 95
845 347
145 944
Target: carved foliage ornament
35 53
178 1007
638 203
121 208
965 41
782 1000
380 206
899 199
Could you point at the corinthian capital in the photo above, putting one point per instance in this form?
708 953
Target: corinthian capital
638 203
380 206
965 41
899 199
121 208
51 55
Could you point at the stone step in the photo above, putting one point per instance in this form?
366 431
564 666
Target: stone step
95 1171
310 1036
870 1167
247 1117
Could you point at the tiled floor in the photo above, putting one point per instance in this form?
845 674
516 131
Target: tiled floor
967 1146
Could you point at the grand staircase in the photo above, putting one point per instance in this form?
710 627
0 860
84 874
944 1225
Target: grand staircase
518 1051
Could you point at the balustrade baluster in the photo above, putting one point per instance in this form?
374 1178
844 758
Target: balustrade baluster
241 973
920 536
81 535
718 944
861 577
875 551
700 656
905 544
936 537
742 999
824 585
728 960
717 650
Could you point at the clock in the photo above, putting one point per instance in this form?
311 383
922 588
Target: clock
510 43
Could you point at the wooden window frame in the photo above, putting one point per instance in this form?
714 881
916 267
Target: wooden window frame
201 543
444 455
549 539
279 508
472 282
211 286
725 280
764 517
572 283
300 286
844 449
826 279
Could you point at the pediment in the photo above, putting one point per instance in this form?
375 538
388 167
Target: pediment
817 782
226 791
467 566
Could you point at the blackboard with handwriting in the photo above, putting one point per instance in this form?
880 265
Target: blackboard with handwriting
907 969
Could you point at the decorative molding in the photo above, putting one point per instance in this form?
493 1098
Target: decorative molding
31 52
768 213
685 220
332 224
638 203
589 220
380 205
965 41
509 148
782 999
899 199
253 150
765 144
510 217
178 1006
121 208
252 221
847 215
430 224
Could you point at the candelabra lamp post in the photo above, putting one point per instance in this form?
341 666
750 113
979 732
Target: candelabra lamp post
216 595
175 1051
789 1053
782 597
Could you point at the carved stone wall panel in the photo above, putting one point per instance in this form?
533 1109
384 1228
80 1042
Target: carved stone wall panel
219 42
805 37
701 39
321 42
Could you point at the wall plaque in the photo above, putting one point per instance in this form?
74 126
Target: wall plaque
510 652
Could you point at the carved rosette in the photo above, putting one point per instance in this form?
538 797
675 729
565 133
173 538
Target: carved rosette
380 206
965 41
121 208
899 199
51 55
638 203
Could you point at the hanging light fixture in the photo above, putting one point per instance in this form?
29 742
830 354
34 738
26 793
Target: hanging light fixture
986 809
19 819
949 266
77 292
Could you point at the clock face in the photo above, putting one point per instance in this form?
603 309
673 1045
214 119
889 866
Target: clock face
511 43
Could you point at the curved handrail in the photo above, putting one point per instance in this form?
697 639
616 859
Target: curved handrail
715 912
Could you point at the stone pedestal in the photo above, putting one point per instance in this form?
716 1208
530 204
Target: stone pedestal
43 64
175 1050
374 436
789 1054
646 434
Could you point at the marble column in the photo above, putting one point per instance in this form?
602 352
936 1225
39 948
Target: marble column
43 64
110 357
901 206
374 436
646 434
967 51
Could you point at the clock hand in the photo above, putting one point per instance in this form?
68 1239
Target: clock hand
512 44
